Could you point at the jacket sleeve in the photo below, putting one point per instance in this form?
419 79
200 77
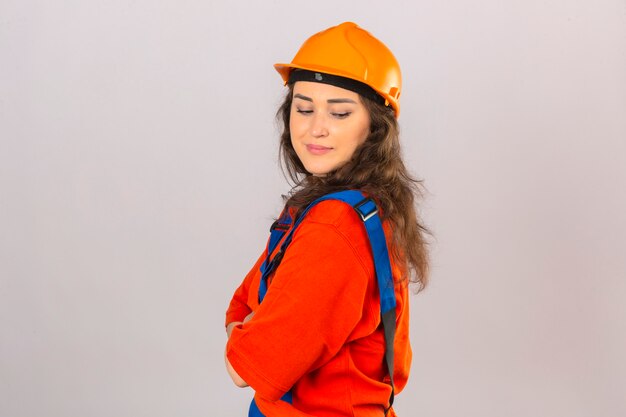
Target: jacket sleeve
314 302
239 307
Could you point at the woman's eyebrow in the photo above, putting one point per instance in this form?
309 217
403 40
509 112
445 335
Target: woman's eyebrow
340 100
300 96
330 100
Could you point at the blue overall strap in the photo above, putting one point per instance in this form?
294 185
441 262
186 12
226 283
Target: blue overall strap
254 409
277 231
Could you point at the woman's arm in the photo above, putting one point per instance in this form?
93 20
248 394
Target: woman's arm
233 374
231 371
230 327
238 307
315 300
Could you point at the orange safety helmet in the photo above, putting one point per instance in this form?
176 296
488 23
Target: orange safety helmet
346 50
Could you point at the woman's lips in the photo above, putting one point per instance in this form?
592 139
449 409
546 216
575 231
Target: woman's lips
318 149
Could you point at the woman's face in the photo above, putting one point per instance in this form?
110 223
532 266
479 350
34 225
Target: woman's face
327 124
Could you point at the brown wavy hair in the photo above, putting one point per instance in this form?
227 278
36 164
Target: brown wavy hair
376 168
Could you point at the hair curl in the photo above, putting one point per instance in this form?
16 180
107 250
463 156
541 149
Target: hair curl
376 168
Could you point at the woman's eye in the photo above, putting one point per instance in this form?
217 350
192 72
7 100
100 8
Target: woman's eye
304 111
341 115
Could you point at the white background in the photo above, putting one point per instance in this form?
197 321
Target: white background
139 176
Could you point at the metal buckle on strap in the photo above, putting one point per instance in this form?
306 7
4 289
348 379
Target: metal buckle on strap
366 215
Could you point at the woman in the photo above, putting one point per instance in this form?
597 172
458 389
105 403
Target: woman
312 328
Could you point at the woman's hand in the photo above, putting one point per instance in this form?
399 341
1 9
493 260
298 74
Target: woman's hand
231 371
231 326
233 374
248 317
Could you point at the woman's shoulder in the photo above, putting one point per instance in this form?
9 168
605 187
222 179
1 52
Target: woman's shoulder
334 219
334 213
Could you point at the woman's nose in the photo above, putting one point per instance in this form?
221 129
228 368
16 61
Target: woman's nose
319 125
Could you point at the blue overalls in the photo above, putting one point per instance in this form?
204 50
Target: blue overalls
367 210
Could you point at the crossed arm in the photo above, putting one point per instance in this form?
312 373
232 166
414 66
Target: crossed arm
231 371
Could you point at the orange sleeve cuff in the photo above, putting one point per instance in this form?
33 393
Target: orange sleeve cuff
236 314
249 373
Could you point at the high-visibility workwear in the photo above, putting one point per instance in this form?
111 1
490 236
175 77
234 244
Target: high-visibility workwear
367 210
319 333
349 51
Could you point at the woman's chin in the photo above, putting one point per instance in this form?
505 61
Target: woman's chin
317 171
